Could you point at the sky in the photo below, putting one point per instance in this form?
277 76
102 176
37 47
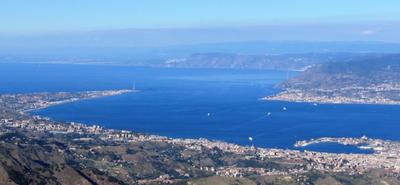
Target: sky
364 18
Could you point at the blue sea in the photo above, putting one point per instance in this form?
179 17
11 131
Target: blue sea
176 103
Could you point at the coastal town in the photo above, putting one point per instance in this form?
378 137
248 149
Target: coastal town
15 118
33 101
378 94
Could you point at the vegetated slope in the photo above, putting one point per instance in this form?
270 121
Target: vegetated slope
43 158
29 161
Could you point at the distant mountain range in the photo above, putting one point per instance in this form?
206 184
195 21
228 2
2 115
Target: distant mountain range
34 50
296 62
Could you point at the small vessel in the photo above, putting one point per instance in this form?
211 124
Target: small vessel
315 104
269 113
284 108
365 147
209 114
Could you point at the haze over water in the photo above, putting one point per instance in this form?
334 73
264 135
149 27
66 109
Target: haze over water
176 103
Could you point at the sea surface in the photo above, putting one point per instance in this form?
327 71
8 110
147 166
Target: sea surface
200 103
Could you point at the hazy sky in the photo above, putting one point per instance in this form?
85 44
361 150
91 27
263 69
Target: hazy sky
76 15
273 19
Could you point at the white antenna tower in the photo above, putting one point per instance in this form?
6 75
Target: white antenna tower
134 85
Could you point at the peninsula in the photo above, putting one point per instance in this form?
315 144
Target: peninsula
34 101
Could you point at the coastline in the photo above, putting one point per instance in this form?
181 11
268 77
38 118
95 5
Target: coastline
200 141
90 95
307 97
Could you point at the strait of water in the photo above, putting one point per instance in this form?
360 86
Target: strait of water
176 103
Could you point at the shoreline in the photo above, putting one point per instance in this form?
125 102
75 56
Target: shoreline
303 97
92 95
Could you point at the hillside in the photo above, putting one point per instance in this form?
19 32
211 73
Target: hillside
372 80
40 158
